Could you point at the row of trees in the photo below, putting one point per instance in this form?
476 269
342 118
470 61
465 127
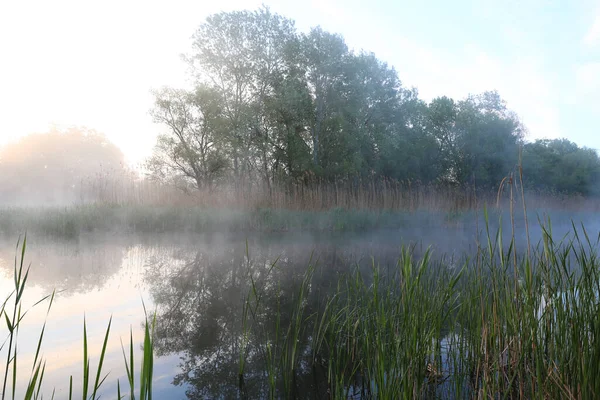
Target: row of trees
270 105
273 105
561 166
60 167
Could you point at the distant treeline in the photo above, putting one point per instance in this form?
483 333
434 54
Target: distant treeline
274 105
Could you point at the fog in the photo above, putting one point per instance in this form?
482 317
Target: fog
58 168
289 166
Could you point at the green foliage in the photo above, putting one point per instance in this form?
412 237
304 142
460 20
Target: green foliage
290 107
478 137
561 166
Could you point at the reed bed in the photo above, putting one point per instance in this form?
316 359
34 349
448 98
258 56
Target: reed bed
350 193
423 329
71 222
504 324
127 205
497 326
311 195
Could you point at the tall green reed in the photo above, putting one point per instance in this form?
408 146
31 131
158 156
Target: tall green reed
13 312
513 321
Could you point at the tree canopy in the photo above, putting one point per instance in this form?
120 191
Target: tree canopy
561 166
272 105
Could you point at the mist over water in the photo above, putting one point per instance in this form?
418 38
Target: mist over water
197 283
314 219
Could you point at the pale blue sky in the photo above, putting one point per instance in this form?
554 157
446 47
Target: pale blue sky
72 62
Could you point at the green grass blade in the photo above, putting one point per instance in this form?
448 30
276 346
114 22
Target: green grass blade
147 360
8 323
32 384
97 383
39 345
86 363
22 283
129 365
14 374
39 388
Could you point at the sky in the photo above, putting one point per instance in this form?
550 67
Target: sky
82 63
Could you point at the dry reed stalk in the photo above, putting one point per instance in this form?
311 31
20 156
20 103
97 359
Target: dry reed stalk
316 195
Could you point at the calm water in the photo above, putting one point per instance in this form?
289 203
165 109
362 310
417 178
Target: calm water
197 285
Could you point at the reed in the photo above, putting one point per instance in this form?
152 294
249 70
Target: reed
71 222
504 324
115 187
351 192
419 330
13 311
427 330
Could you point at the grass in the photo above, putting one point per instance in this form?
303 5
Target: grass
13 315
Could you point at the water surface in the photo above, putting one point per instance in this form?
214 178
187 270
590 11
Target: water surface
198 285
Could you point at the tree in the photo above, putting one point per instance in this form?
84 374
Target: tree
412 152
479 138
323 56
278 107
51 167
489 140
369 104
289 111
440 122
241 54
189 150
561 166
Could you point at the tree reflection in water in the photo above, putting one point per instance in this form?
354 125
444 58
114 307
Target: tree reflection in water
208 300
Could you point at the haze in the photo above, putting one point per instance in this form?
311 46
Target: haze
93 64
342 198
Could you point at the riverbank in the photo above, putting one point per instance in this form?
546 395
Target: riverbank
73 221
70 222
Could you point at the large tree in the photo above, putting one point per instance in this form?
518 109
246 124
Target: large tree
242 56
479 138
190 149
323 57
